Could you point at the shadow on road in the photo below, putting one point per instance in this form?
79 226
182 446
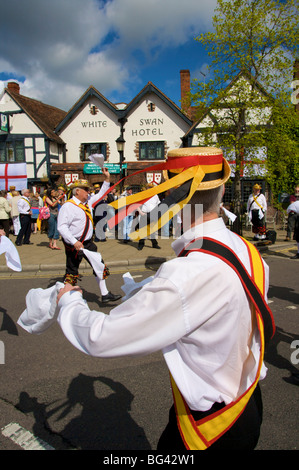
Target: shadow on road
94 422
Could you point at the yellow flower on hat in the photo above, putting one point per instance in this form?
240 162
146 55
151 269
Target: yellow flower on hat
80 184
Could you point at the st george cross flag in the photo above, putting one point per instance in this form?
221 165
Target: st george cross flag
13 174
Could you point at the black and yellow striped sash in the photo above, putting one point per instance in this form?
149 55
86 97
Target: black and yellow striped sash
199 435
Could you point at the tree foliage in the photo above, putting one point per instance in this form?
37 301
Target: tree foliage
283 152
259 40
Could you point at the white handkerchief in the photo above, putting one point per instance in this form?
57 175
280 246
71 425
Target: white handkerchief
11 254
130 287
229 214
96 262
41 311
97 158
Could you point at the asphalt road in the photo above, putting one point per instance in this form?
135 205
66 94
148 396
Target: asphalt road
72 401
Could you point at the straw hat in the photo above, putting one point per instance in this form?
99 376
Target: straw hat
80 184
257 186
216 168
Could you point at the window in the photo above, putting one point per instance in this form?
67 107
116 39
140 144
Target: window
151 150
91 148
12 151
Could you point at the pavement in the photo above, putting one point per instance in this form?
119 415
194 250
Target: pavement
38 258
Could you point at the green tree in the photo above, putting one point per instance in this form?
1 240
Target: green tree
255 41
283 152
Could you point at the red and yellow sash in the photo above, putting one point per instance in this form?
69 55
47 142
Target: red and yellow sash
199 435
184 182
88 220
84 208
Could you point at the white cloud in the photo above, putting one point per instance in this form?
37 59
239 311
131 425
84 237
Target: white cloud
62 47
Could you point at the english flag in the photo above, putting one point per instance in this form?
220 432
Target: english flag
13 174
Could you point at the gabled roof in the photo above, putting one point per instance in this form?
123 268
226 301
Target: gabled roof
151 88
121 111
208 111
46 117
91 91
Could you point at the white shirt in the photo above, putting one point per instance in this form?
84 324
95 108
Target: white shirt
71 218
293 207
195 310
252 205
23 205
149 205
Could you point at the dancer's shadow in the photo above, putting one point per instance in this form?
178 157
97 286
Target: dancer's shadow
8 324
283 293
104 423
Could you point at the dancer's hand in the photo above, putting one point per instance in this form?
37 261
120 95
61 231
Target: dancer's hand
67 288
78 245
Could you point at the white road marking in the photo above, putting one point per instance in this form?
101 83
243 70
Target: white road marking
24 438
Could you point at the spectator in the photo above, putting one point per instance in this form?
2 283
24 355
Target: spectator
292 216
5 210
15 215
25 219
34 202
52 200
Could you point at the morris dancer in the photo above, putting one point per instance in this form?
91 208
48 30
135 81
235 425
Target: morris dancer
75 225
201 309
256 208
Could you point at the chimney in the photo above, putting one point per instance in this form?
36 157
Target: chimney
14 87
185 90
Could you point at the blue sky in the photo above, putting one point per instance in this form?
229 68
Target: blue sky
56 49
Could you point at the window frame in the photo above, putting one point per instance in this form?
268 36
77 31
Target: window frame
14 147
160 146
102 148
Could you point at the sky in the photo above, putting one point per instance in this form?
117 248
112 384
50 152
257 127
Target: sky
56 49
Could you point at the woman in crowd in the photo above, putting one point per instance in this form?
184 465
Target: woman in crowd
52 200
34 203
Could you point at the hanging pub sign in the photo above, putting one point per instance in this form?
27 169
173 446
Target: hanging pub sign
154 177
70 178
3 122
113 168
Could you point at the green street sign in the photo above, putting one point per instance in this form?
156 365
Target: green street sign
3 122
92 168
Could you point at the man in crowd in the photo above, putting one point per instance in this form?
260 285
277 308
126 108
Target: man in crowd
24 208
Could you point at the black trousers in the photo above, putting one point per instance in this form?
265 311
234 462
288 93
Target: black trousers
25 230
243 435
74 257
258 225
5 225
